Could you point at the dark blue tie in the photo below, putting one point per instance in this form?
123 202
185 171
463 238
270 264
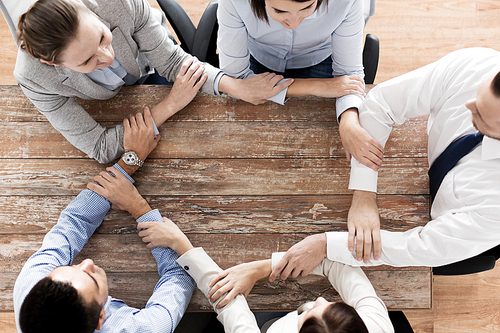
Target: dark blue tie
449 157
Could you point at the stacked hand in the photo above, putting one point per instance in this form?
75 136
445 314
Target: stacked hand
236 280
363 223
138 134
358 142
112 185
301 258
164 234
256 89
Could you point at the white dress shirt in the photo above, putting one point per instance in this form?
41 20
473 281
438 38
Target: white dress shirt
350 282
465 220
336 31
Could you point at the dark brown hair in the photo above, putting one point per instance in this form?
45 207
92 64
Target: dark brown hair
259 8
47 28
495 85
337 318
57 307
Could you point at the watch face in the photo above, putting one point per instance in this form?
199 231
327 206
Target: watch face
130 158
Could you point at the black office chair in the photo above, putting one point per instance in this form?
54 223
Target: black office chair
399 322
202 41
480 263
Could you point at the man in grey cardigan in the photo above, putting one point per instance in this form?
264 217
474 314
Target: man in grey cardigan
90 48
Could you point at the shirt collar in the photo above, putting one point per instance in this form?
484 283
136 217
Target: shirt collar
490 149
288 324
312 16
107 308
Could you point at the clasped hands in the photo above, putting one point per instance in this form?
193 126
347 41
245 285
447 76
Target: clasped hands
300 259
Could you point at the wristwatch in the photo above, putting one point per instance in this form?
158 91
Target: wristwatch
131 158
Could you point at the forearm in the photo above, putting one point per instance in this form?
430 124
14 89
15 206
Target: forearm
164 110
235 316
304 87
230 85
262 268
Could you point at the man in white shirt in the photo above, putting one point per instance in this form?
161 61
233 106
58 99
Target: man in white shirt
461 95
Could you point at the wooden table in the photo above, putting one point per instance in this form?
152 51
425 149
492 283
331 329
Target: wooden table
242 181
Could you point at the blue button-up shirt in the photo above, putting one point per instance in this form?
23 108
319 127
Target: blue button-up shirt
66 239
336 31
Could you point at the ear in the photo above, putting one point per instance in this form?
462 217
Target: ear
48 63
102 316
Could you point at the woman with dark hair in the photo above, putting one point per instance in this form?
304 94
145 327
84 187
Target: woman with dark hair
316 43
90 48
362 312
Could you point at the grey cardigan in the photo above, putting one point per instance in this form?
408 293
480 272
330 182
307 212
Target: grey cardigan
52 88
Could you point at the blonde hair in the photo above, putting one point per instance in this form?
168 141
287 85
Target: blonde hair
47 28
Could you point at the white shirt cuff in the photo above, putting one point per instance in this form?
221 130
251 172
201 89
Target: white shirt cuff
155 127
280 97
276 257
216 83
362 177
347 102
337 250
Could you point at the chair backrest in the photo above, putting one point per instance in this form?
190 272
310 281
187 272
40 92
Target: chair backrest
12 10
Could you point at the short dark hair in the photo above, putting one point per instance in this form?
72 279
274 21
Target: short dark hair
495 85
259 8
47 28
337 318
56 307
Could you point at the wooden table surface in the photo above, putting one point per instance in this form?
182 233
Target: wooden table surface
241 181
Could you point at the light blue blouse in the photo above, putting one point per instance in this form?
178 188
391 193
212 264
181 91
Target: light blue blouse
335 30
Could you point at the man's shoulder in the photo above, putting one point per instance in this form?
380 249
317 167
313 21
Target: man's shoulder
477 53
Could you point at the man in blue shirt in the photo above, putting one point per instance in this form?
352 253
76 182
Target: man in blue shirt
52 295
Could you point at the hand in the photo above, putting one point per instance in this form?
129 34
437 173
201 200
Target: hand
122 194
301 258
341 86
256 89
138 134
363 223
187 83
164 234
236 280
358 142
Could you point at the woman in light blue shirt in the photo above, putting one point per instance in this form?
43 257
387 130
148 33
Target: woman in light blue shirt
317 43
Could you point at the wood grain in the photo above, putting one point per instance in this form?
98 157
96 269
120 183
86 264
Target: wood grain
217 139
223 214
281 295
214 176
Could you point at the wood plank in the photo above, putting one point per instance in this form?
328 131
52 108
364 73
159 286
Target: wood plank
256 139
114 253
408 289
223 214
467 301
132 99
8 322
214 176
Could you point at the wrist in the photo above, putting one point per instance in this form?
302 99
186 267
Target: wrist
183 248
129 169
229 85
261 269
139 208
349 117
164 110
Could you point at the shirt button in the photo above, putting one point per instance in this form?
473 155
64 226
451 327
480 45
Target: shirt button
147 69
186 268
